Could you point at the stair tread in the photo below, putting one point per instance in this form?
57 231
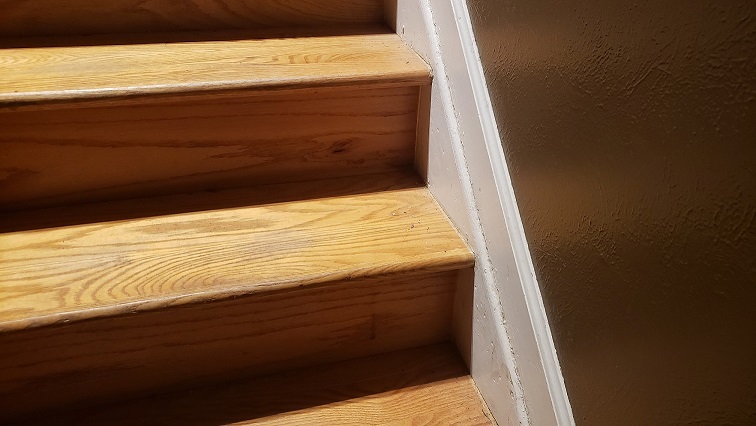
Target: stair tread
108 67
105 266
427 385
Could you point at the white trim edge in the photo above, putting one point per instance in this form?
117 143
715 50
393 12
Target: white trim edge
524 261
483 261
512 356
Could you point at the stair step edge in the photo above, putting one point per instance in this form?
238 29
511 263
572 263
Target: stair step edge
233 62
150 305
136 265
396 387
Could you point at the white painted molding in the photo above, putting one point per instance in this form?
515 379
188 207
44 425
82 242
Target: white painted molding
513 359
524 261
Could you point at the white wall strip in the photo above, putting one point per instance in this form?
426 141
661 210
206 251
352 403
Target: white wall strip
484 341
512 356
483 266
524 262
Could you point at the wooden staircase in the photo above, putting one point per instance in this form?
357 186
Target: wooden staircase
210 214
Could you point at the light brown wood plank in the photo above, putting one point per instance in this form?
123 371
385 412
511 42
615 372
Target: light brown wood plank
422 386
137 354
122 69
58 17
254 195
65 156
90 270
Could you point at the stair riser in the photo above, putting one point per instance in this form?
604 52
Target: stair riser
98 360
56 17
73 155
421 386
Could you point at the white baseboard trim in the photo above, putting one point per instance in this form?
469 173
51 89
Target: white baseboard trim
513 359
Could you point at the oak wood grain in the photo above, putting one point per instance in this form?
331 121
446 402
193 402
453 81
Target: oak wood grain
58 17
174 204
74 155
126 68
137 354
422 386
108 268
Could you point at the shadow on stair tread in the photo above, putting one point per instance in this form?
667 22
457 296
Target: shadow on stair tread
191 36
53 217
424 385
61 17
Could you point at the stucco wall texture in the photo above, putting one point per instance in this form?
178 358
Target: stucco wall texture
630 131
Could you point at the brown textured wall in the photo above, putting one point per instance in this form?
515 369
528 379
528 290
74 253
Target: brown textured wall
630 132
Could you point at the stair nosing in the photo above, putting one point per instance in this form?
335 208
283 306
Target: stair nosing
434 259
178 300
101 83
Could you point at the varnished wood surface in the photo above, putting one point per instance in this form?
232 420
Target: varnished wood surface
58 17
124 68
422 386
174 204
107 268
138 354
65 156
